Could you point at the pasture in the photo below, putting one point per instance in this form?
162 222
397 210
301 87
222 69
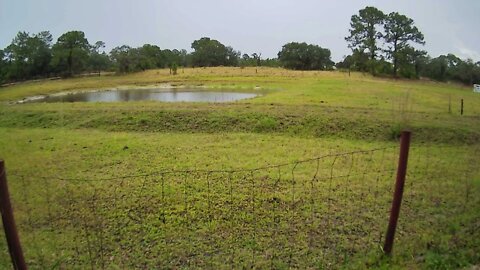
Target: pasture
300 177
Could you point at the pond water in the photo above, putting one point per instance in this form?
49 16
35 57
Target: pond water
158 94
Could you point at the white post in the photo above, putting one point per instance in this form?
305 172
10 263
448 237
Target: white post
476 88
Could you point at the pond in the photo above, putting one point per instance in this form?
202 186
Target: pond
154 94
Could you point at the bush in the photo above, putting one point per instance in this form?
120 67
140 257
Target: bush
173 69
266 124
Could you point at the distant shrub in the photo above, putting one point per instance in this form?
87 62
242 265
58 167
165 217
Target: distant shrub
173 69
266 124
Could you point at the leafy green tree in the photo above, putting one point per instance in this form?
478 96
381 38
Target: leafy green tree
253 60
400 31
150 56
18 53
382 66
29 55
411 61
442 68
257 58
270 62
210 52
476 73
98 59
232 57
437 68
3 67
98 46
365 33
41 53
71 52
453 63
244 60
346 63
303 56
99 62
361 61
460 70
127 59
175 56
468 72
184 58
179 57
173 69
450 67
420 59
122 58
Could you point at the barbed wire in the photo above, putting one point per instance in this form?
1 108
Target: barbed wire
235 170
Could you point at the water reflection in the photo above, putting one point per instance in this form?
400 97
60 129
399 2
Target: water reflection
165 95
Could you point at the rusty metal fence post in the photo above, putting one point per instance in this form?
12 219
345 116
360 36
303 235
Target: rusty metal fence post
13 242
397 196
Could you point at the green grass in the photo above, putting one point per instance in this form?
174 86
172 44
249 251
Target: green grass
335 89
336 222
292 120
312 104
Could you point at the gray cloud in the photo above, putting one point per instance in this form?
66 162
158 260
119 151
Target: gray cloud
247 25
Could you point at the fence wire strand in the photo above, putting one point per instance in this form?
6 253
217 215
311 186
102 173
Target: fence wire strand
315 213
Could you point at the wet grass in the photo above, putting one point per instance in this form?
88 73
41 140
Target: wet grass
314 104
190 219
333 89
323 222
291 120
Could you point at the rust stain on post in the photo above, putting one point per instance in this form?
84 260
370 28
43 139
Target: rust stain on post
397 196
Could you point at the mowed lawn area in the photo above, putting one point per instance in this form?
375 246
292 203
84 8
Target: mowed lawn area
300 177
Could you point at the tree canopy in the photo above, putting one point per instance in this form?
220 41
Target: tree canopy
450 67
29 55
400 32
210 52
365 32
381 44
98 60
32 56
71 52
303 56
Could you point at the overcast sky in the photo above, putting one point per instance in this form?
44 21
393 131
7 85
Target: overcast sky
449 26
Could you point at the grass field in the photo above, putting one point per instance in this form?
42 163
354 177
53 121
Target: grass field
331 215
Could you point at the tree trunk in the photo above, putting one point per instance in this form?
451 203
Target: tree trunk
372 63
395 66
395 56
69 62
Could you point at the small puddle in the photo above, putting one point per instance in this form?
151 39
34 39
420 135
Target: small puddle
156 94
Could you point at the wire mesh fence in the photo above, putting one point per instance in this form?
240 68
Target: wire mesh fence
317 213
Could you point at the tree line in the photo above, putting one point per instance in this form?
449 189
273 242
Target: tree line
385 44
32 56
381 44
